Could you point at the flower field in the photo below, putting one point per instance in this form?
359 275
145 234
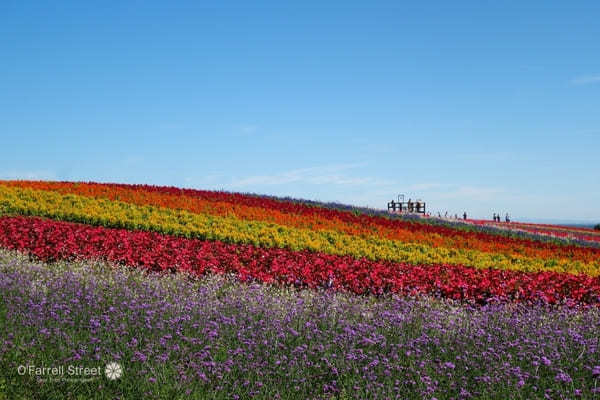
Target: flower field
216 338
289 243
53 240
229 295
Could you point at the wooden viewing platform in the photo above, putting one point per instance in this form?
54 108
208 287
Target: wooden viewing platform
407 207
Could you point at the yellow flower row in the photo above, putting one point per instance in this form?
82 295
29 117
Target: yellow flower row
116 214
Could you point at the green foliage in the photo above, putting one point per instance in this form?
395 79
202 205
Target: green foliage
597 227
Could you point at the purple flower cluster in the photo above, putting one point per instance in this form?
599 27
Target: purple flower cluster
218 338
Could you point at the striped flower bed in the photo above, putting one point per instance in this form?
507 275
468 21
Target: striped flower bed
288 243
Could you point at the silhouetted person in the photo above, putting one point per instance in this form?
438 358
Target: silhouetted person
494 217
465 215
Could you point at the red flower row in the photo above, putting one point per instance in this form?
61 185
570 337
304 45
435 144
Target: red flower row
52 240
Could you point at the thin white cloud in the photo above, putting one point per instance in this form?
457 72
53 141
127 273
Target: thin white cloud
209 179
477 156
478 193
427 186
322 175
247 129
586 80
40 175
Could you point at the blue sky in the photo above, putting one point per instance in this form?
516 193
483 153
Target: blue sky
479 106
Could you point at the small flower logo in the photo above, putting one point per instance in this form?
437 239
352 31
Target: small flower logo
113 371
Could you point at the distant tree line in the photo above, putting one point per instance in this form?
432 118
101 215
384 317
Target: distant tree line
597 227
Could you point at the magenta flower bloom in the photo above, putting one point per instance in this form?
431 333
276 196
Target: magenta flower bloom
449 365
563 377
546 361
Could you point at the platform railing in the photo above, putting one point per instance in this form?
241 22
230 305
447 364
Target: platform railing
406 207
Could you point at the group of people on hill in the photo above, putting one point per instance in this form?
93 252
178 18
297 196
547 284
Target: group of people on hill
415 206
450 216
496 218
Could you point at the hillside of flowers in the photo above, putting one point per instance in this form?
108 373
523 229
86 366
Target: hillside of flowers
290 243
216 295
